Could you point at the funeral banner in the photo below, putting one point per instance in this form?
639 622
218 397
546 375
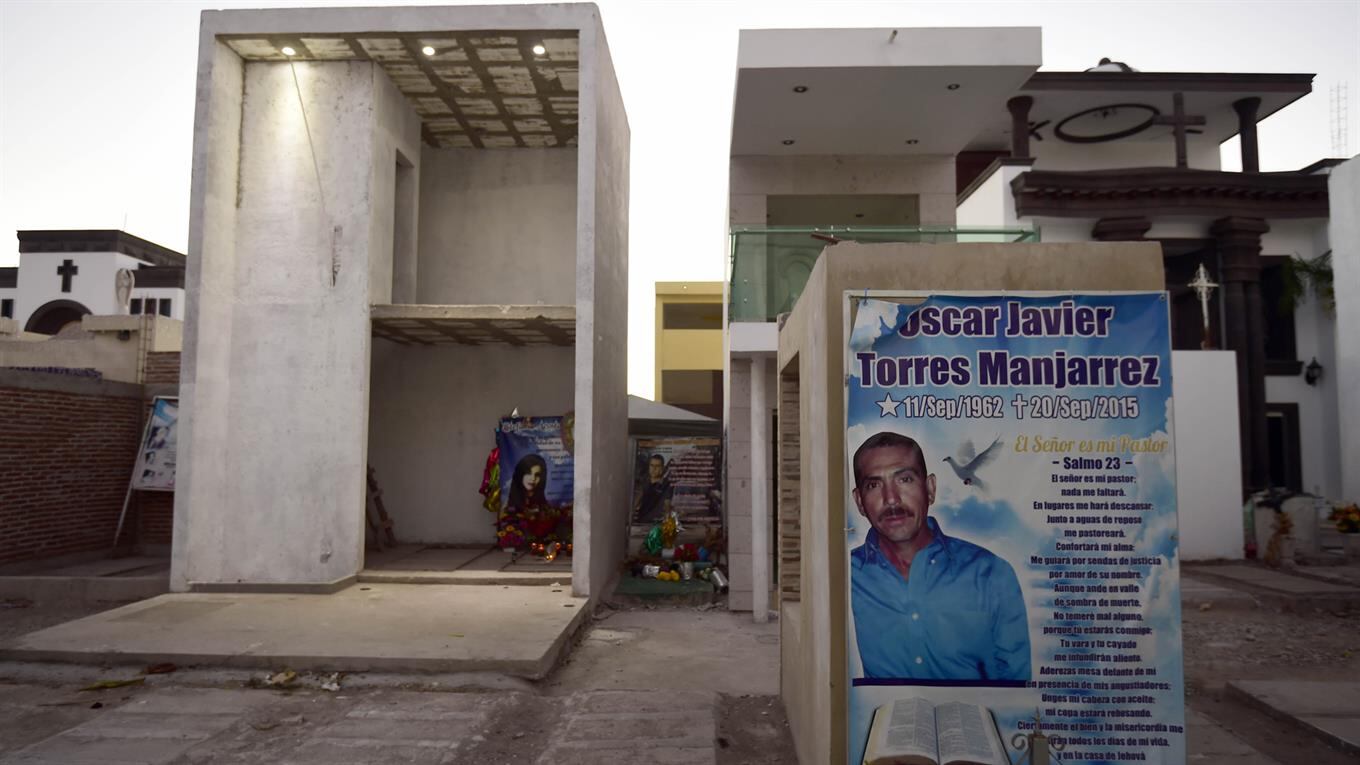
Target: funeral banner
1011 530
537 468
155 468
680 474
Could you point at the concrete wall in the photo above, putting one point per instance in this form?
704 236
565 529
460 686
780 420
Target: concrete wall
1314 334
432 420
1344 231
603 468
1054 154
813 339
1204 405
1314 337
498 226
276 352
991 204
931 178
96 345
393 210
211 262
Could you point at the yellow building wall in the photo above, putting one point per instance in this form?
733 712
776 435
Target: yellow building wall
686 349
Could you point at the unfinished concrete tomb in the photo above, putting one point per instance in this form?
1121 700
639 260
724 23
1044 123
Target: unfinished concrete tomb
406 223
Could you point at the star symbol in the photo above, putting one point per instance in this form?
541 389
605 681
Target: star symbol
888 406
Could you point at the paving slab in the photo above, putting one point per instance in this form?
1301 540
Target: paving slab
633 727
1278 589
1208 743
157 729
1330 710
518 631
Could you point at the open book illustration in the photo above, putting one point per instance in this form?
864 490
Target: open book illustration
913 731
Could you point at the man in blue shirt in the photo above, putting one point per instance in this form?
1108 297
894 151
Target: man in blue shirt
927 606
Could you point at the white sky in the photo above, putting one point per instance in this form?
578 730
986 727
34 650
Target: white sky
97 103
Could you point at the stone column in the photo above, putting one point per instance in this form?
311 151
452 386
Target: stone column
1246 128
1019 109
760 490
1239 248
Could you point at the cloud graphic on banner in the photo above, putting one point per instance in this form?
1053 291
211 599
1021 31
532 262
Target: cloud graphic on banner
875 319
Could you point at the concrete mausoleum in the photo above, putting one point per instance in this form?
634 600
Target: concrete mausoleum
813 594
405 223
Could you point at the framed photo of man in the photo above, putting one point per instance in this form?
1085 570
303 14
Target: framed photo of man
677 473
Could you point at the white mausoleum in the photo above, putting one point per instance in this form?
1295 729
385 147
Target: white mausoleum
64 275
945 135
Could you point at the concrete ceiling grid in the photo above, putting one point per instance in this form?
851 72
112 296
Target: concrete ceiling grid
473 85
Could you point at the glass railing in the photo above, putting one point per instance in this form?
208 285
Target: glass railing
770 266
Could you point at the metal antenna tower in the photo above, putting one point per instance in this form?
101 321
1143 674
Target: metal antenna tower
1340 126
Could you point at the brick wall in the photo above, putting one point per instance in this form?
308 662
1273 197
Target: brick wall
162 368
788 512
67 447
156 510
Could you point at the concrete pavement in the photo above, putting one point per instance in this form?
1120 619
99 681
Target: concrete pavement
515 630
1328 710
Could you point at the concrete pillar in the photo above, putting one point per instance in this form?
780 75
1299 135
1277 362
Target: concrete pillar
760 490
1246 129
1019 108
738 481
271 489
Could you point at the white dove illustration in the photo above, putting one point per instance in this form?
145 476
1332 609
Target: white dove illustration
968 463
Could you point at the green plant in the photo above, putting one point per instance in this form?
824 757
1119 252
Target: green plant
1301 277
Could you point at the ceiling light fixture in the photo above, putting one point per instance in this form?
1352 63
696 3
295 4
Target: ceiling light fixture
799 88
953 86
428 50
539 50
287 51
788 141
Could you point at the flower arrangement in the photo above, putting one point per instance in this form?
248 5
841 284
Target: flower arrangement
538 526
1346 518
